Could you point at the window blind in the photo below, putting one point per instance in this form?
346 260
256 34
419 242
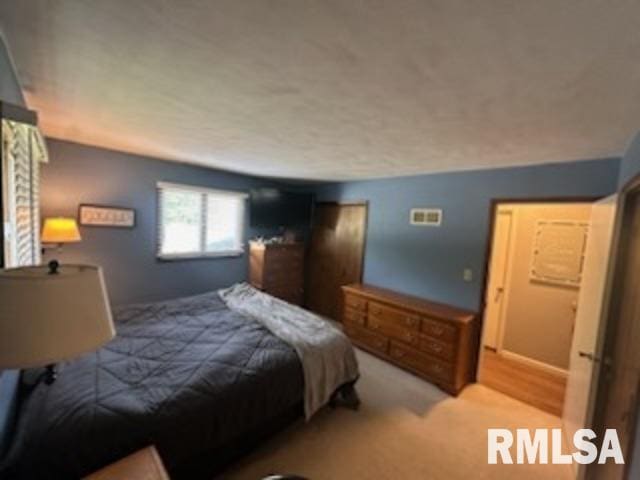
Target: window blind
199 222
21 197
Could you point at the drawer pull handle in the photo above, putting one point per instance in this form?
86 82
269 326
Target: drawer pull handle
410 321
398 353
409 337
438 330
436 348
436 368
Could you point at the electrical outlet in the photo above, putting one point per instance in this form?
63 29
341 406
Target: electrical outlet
467 275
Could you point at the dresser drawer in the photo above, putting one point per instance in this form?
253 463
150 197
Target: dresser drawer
279 266
394 315
354 316
443 350
284 253
392 328
367 338
421 362
283 278
439 330
355 302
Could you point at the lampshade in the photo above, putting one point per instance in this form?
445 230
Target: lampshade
60 230
45 318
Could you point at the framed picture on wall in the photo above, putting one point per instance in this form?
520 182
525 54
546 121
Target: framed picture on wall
558 252
106 216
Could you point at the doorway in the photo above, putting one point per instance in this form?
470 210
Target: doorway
534 275
336 254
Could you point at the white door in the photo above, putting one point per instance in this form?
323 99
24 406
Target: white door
498 269
589 313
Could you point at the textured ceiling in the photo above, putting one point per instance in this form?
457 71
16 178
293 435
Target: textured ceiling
334 89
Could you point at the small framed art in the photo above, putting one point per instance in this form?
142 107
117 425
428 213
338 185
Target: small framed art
106 216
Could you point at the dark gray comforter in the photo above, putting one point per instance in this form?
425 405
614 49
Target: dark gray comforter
186 375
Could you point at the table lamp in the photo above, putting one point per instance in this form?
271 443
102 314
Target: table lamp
52 314
57 231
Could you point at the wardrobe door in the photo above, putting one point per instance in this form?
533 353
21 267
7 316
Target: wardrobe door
336 255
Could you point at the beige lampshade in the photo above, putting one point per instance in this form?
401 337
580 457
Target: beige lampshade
60 230
45 318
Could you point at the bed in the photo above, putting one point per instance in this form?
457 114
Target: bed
192 376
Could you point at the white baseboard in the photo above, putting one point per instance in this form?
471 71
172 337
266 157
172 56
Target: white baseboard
534 363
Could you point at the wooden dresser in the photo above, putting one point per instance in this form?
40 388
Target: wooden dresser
278 269
435 341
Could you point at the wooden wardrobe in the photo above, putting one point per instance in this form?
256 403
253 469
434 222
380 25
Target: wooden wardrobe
336 254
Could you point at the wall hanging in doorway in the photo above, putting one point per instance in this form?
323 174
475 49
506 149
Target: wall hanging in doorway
558 252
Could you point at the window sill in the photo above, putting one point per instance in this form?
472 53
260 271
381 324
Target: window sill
199 256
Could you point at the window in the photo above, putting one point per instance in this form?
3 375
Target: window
198 222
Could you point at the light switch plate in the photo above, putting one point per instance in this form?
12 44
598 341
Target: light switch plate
467 275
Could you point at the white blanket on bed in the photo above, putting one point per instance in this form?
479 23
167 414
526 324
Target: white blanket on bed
327 356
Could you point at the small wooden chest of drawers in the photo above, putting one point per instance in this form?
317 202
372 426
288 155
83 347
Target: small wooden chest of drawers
432 340
278 269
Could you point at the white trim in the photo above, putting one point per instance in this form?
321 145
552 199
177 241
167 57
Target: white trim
195 188
508 280
535 363
42 146
511 210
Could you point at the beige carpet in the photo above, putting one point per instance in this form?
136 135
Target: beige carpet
406 429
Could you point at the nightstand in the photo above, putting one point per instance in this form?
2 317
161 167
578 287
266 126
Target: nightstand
142 465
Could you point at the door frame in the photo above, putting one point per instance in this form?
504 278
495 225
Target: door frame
609 328
508 266
493 209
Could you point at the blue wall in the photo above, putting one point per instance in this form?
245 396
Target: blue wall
630 164
81 174
429 262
